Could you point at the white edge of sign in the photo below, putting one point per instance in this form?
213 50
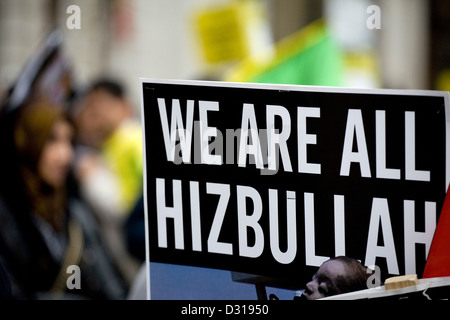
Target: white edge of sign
291 87
283 88
144 155
381 292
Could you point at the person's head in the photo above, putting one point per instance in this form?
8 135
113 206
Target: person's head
102 109
335 276
43 137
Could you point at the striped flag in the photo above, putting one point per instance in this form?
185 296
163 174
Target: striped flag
438 262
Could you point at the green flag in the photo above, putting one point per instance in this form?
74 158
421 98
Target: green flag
308 57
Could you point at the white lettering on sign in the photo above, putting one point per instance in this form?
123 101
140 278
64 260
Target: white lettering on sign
249 221
263 146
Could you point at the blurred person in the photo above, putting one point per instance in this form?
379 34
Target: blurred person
109 162
5 284
2 90
336 276
44 225
105 122
134 231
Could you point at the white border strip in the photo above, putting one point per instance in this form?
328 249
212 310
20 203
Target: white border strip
290 87
144 154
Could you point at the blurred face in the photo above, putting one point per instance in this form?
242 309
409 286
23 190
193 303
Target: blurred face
326 280
100 116
57 154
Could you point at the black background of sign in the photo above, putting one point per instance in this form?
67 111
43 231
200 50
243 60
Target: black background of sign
330 130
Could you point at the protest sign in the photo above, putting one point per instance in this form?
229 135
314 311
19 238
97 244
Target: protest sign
275 179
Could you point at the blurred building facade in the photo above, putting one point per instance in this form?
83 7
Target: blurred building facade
158 39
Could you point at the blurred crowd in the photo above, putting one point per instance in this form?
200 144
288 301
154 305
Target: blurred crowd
70 184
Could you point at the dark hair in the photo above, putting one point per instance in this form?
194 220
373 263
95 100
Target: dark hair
112 86
32 129
358 275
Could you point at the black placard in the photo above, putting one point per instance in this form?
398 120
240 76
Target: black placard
361 173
